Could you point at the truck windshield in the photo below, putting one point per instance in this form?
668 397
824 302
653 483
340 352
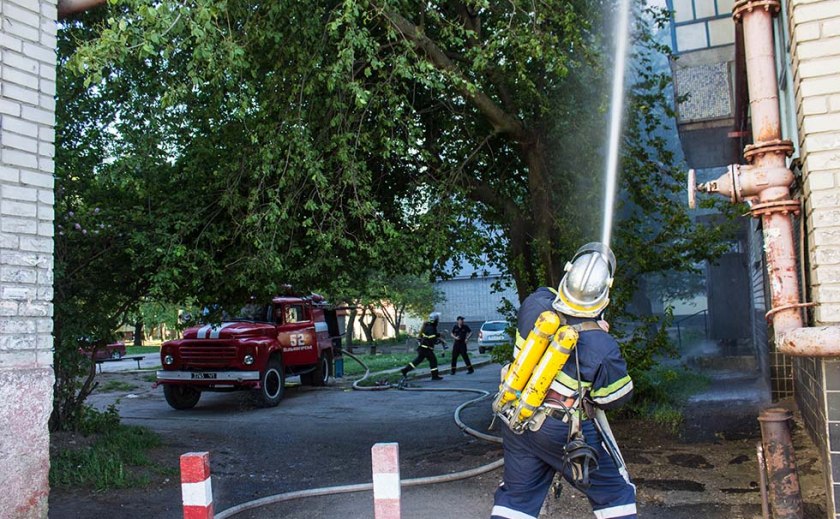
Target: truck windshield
253 312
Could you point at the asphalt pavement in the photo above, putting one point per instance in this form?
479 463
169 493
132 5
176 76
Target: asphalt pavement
320 437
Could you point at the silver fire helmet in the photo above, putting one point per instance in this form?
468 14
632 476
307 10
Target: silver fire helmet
584 290
434 317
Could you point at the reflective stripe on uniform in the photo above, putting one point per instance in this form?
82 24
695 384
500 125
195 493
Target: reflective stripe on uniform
616 511
563 390
509 513
517 346
569 382
607 393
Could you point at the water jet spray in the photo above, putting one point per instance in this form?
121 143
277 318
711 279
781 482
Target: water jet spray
616 111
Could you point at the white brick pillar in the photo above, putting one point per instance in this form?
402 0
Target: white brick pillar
27 119
815 52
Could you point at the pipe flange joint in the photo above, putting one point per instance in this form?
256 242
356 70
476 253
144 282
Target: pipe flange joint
775 414
778 146
778 206
742 6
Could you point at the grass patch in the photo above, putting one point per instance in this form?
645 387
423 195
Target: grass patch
116 385
151 377
376 362
104 454
382 380
142 350
668 417
661 393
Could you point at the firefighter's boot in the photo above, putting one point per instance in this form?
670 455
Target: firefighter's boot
435 375
470 370
453 370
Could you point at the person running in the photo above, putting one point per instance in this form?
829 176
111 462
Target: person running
429 336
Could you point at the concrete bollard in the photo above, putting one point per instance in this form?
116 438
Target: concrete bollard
196 491
386 480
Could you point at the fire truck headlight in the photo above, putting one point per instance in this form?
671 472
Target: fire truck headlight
169 360
248 360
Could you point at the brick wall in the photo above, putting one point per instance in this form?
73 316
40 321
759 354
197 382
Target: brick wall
27 107
815 50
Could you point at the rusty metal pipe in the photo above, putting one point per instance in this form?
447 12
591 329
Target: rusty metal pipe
821 341
785 495
70 7
767 182
757 23
762 481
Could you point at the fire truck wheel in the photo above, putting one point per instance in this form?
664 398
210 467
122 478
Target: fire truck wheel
181 397
321 375
271 384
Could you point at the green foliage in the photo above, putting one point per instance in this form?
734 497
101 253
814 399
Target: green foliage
110 461
667 416
92 421
502 354
661 392
253 144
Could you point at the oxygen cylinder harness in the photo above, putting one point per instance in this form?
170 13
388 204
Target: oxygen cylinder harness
521 400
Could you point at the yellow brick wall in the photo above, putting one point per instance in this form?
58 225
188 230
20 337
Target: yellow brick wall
815 53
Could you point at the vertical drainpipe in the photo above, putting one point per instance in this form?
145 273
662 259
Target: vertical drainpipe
767 156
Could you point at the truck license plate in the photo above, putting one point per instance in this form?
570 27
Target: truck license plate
202 375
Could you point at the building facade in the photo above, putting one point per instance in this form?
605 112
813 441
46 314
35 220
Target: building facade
477 296
27 135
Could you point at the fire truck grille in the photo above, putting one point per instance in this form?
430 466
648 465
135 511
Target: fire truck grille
208 355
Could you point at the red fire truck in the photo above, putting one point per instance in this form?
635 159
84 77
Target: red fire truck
254 350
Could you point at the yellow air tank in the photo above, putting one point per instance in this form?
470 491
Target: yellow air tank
552 362
529 355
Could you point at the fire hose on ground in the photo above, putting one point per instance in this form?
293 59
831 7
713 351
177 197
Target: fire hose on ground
362 487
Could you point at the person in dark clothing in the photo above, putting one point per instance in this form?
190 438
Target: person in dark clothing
461 333
595 378
429 336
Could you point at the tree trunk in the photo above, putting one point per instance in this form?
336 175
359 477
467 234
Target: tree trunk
367 327
138 333
543 214
398 317
348 331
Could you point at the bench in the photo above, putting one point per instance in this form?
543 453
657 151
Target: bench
136 358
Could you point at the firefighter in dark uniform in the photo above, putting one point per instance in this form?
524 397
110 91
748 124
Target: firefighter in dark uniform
599 372
461 333
429 336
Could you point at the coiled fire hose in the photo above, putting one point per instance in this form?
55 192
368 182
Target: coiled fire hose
362 487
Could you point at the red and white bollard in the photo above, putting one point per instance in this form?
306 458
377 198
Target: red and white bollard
386 480
195 485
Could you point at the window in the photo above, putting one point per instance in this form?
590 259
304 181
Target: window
295 314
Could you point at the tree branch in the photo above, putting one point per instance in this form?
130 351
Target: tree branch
501 121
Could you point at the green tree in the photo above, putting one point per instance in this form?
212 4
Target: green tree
327 138
407 293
